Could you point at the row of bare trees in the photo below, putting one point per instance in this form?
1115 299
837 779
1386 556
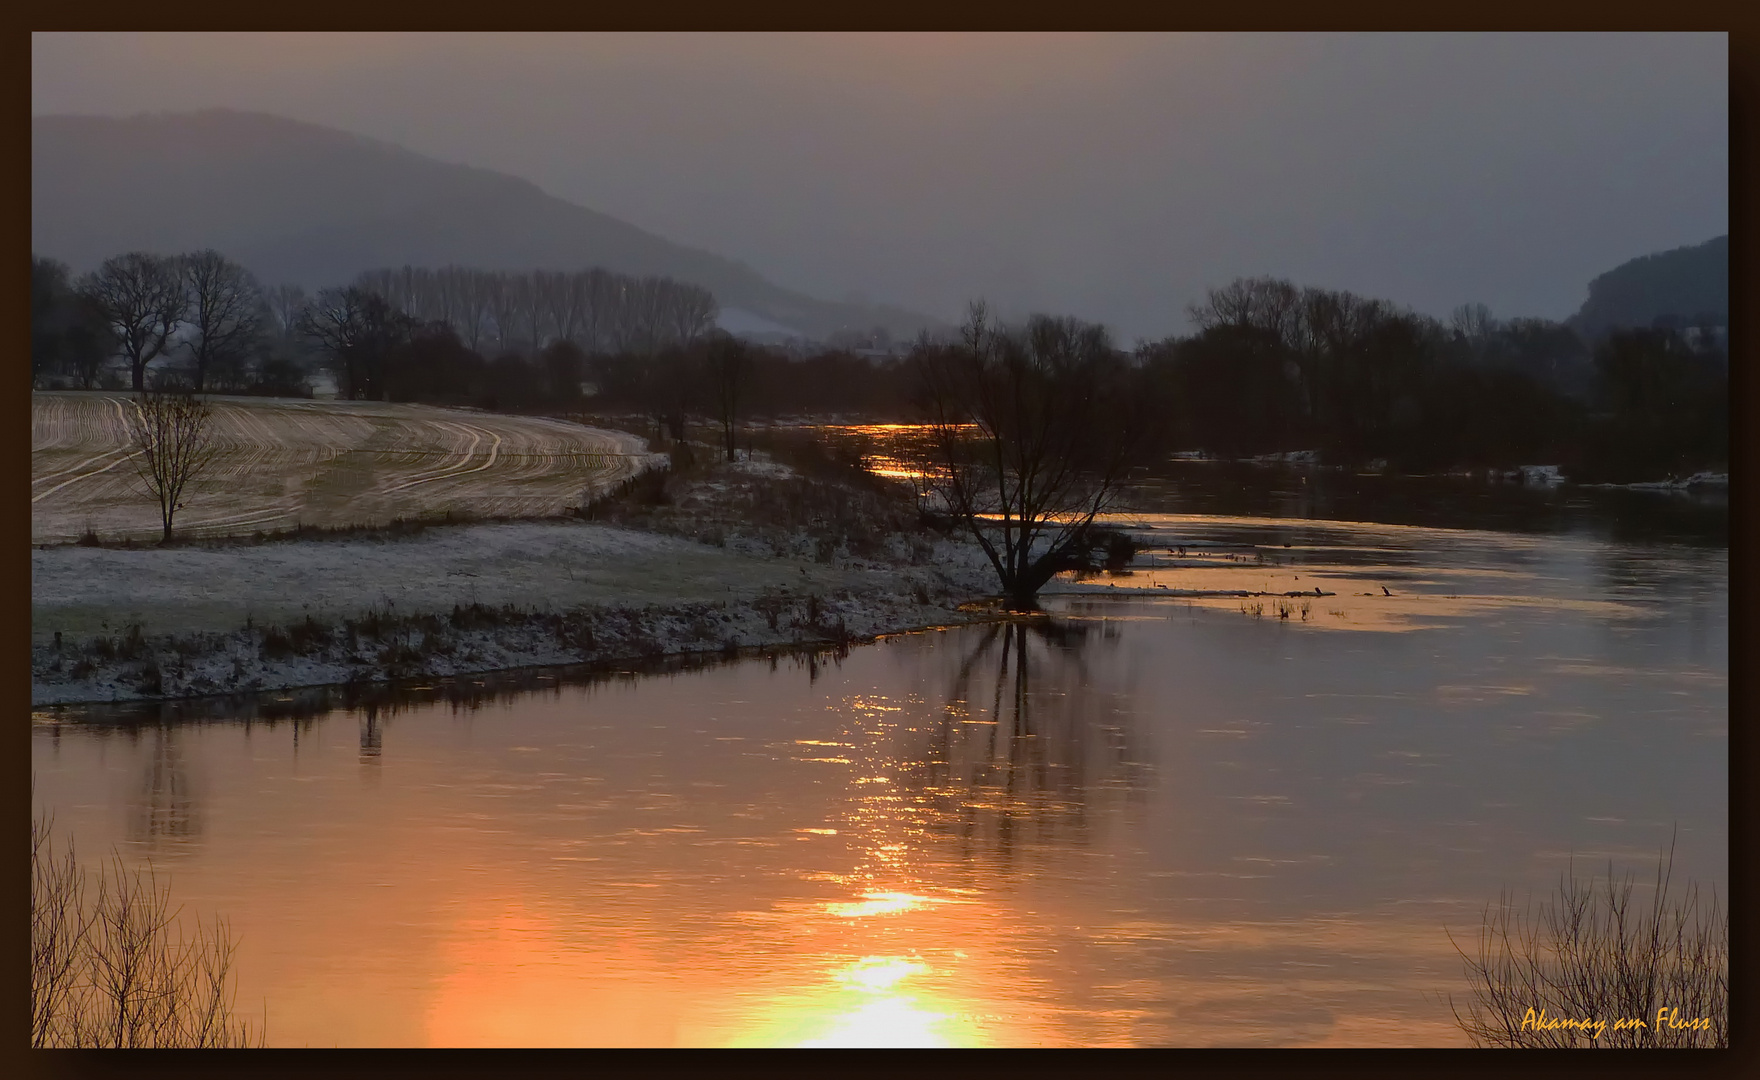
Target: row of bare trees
214 317
597 310
200 303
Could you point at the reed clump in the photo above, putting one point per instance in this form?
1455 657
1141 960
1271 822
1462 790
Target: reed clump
112 964
1653 977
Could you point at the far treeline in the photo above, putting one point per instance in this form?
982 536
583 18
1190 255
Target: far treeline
1269 368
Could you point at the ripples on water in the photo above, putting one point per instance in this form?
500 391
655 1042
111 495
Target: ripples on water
1138 821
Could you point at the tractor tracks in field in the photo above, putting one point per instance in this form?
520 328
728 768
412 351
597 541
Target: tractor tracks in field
126 452
284 463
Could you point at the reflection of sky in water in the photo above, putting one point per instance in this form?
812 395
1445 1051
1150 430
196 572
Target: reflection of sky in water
1146 822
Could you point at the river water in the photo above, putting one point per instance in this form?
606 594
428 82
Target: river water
1141 820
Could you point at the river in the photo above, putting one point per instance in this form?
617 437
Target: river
1139 820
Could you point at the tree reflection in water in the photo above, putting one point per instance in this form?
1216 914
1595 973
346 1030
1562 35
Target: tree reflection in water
372 741
1026 741
165 809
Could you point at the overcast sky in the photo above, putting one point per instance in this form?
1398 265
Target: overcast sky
1110 177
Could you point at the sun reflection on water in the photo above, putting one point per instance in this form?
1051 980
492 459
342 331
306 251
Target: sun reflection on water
883 1014
878 903
874 1001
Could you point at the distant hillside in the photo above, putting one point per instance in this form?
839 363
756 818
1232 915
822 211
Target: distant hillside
1684 283
296 202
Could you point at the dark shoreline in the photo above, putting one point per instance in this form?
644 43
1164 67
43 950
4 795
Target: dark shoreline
468 689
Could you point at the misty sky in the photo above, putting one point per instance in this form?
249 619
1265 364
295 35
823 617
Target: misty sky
1110 177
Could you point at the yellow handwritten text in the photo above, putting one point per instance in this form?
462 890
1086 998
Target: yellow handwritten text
1665 1018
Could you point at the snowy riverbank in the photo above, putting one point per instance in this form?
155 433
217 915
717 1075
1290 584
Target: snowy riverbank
113 624
117 624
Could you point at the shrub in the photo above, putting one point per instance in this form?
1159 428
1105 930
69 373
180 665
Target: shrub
110 965
1588 954
151 680
307 635
276 644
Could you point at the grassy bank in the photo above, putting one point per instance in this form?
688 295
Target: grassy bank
706 556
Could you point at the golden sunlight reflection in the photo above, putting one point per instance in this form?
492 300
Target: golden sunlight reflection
878 903
872 1002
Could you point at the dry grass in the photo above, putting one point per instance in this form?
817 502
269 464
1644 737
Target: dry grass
1589 954
818 504
111 965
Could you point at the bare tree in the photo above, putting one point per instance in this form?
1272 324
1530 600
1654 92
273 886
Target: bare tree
653 300
286 304
384 282
472 305
601 289
356 329
225 312
1473 324
691 312
143 299
1264 303
503 303
1030 433
557 296
526 292
727 365
173 443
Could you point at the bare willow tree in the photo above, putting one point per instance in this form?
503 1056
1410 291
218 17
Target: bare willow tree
111 965
143 299
173 442
1030 433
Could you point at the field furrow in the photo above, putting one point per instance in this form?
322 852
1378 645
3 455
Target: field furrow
284 462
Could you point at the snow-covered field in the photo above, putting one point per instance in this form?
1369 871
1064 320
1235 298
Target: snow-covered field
540 564
285 462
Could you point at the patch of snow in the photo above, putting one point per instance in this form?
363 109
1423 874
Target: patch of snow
758 463
1292 457
1697 481
742 323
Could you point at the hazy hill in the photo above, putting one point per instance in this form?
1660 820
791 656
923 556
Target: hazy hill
301 203
1685 283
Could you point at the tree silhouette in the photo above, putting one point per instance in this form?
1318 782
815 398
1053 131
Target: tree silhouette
143 299
173 442
1032 429
226 310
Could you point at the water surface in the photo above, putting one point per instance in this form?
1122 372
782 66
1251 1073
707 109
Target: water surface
1140 821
